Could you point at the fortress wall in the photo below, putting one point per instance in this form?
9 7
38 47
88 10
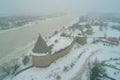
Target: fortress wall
44 61
41 61
62 53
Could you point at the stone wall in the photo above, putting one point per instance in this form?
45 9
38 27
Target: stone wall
44 61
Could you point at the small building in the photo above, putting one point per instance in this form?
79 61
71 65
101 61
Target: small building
110 41
114 42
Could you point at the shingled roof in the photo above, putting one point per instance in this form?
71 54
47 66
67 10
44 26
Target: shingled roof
41 46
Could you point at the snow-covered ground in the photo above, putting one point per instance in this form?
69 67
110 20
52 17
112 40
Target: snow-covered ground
65 67
106 52
73 66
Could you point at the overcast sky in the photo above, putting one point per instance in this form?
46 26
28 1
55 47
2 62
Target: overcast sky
51 6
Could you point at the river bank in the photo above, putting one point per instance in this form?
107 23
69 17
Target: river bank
16 42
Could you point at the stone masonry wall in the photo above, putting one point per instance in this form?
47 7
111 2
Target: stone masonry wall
44 61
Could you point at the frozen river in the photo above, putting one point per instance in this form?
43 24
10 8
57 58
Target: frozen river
16 42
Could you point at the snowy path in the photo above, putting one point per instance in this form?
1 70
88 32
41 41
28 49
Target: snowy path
83 68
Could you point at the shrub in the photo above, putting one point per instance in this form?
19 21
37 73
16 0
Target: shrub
56 41
58 77
11 66
63 34
72 65
66 68
3 73
25 60
55 33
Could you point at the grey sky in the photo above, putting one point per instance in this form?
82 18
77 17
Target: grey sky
49 6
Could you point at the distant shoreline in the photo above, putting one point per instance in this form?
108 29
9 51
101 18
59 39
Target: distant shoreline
26 25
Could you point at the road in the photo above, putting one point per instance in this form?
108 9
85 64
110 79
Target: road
79 75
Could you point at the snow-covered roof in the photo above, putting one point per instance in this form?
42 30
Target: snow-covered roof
40 54
62 43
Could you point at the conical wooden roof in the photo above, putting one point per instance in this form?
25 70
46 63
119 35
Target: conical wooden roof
41 46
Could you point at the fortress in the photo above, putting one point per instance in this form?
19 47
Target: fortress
48 58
